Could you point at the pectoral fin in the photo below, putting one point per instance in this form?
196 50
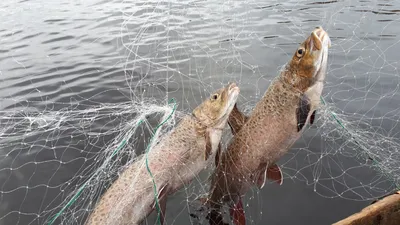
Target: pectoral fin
162 193
208 146
312 117
236 120
163 206
162 202
262 178
273 173
237 213
302 112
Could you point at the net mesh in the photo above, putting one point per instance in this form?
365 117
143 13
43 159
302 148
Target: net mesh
58 160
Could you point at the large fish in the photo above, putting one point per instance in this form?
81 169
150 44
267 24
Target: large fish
173 162
276 122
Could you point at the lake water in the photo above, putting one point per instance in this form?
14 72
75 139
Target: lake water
81 54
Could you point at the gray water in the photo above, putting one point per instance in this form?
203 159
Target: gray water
55 54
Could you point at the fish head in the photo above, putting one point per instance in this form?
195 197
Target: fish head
214 112
309 62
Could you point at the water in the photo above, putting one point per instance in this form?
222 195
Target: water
55 54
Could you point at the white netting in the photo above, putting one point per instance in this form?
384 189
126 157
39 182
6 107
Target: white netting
52 148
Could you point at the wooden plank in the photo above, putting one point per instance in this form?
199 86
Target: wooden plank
383 212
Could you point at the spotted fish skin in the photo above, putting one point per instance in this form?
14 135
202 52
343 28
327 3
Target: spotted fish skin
276 122
179 156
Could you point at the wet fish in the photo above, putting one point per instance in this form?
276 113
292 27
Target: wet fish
174 162
276 122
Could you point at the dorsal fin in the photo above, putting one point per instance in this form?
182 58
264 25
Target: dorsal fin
236 120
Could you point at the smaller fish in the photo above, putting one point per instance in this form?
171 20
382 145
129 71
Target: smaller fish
173 162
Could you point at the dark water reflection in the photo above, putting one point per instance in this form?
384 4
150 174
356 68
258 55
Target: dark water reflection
57 54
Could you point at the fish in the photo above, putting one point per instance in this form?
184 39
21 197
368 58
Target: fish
174 162
262 138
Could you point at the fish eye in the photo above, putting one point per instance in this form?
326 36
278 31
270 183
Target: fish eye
214 97
300 52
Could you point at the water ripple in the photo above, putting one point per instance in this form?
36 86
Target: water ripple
63 38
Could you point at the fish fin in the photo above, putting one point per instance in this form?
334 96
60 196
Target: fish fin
208 147
274 172
236 120
312 117
237 213
262 177
302 112
217 155
162 202
163 206
162 193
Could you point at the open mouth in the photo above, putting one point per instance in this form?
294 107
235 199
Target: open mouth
320 38
233 92
233 88
321 41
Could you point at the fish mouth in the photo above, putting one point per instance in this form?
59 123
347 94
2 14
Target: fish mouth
233 93
320 43
232 88
320 38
